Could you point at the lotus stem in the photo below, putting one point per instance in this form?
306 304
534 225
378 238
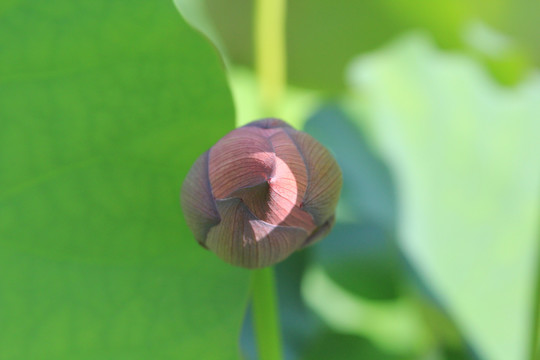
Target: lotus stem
270 51
265 314
270 63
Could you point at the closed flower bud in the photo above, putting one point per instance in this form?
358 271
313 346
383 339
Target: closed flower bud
260 193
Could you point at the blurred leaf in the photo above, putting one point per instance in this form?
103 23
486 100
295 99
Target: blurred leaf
362 259
393 325
323 36
104 105
194 11
517 18
360 253
507 61
465 153
331 345
233 21
300 325
450 341
368 189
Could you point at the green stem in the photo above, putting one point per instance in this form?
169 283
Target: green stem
270 52
265 314
270 66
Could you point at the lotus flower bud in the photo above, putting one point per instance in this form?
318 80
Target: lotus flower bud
260 193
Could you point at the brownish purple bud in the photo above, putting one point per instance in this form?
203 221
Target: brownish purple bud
260 193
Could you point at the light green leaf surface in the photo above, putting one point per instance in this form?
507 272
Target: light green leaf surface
104 105
295 107
465 153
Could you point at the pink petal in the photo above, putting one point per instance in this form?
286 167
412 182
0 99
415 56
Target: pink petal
254 156
268 206
242 158
197 201
325 179
243 240
290 172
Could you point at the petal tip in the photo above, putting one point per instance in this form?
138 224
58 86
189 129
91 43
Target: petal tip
269 123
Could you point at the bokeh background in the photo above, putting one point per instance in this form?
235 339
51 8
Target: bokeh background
432 110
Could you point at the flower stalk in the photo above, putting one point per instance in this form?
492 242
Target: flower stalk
270 51
265 314
270 63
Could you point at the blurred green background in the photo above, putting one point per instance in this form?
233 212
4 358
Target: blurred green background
432 110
